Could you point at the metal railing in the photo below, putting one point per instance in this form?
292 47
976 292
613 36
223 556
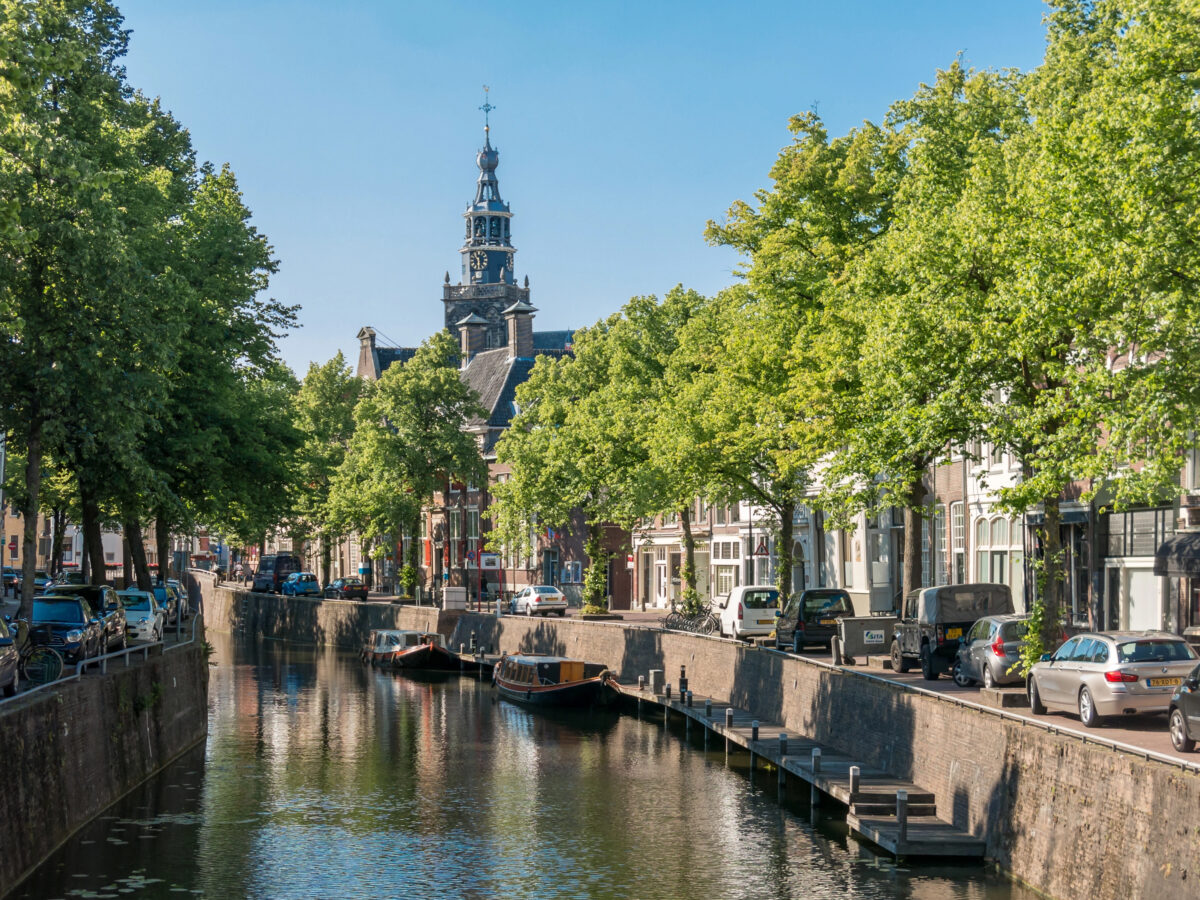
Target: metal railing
101 661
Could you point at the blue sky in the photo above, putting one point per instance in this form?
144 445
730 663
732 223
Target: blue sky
622 128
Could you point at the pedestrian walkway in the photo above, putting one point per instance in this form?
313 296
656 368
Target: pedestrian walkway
892 813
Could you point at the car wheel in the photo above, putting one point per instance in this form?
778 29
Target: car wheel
960 677
528 610
1179 735
1087 709
928 672
562 613
124 642
1036 706
989 680
899 663
796 643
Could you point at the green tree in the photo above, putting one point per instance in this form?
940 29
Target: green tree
411 435
325 416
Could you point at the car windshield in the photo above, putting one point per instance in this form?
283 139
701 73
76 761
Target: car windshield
1154 650
826 602
546 590
65 611
1014 631
765 599
135 601
352 582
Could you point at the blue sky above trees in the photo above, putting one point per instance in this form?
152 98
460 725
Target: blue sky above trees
622 128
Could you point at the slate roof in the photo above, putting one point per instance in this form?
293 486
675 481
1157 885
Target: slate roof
389 355
552 340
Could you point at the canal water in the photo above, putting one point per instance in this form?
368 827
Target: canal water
324 778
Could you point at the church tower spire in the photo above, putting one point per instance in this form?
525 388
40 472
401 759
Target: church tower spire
489 282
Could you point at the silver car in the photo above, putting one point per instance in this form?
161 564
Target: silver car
144 618
989 653
1110 674
539 600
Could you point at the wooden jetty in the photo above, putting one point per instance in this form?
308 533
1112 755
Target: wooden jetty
891 813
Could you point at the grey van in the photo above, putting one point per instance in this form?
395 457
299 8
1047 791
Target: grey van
934 620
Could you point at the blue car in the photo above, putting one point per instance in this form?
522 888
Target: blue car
301 584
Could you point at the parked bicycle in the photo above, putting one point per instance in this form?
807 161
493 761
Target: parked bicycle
701 623
38 664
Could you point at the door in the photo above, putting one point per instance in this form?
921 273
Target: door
660 594
977 648
1052 680
1189 703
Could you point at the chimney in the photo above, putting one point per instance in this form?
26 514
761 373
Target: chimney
368 360
472 333
519 319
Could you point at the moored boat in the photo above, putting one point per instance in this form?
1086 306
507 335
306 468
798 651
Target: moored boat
394 648
552 681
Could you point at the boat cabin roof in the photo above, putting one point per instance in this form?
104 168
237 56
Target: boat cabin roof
538 660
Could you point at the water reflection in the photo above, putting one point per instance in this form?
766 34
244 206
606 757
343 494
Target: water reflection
323 778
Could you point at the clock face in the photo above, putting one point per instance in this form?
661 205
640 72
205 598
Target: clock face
508 261
478 260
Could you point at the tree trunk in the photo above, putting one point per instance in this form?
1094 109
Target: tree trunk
913 517
126 560
326 557
33 485
56 549
687 576
137 552
93 541
1051 575
783 552
162 542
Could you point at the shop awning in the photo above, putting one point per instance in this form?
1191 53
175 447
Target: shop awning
1179 556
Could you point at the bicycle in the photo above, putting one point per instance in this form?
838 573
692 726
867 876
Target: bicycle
37 663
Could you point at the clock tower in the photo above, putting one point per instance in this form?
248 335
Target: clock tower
489 283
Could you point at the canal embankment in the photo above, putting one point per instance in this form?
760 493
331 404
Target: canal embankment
72 749
1068 816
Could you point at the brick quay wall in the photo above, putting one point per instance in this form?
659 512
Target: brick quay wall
1065 816
72 750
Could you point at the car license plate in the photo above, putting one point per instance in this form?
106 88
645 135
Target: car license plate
766 621
952 633
829 621
1163 682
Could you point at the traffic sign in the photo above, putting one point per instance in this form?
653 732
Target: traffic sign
761 549
471 555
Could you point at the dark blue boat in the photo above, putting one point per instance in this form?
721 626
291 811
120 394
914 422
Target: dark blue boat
552 681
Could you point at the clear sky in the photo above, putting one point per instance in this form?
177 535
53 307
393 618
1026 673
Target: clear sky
622 129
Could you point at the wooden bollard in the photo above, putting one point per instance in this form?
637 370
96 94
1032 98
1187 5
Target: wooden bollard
855 774
641 682
708 708
782 754
728 726
754 730
901 818
814 792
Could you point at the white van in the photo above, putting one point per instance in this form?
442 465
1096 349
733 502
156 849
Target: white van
747 611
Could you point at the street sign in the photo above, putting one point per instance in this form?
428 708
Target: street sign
471 555
489 560
761 549
629 561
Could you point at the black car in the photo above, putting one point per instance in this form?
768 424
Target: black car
1183 717
273 570
10 579
106 606
67 625
810 617
346 589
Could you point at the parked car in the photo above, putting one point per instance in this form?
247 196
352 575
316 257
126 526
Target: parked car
168 599
1101 674
273 571
70 576
345 589
9 657
106 606
145 620
40 581
747 611
810 617
990 651
302 584
185 602
67 625
1183 716
934 619
10 580
538 600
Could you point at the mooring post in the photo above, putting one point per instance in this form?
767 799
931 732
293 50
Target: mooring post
782 754
708 708
641 683
754 730
728 726
855 774
683 682
689 699
667 692
901 819
814 792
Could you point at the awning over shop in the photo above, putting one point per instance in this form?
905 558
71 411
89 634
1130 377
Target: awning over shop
1067 516
1179 556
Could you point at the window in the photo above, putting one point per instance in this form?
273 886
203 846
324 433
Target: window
925 580
957 537
719 515
572 572
701 509
473 524
939 545
735 513
996 458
